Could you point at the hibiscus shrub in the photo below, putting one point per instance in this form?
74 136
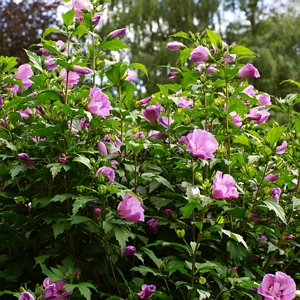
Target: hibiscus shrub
190 193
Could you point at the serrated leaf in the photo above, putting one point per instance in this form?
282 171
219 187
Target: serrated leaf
241 139
79 219
272 205
144 270
185 54
59 228
296 202
80 202
236 237
274 134
9 145
139 67
182 35
61 197
84 288
55 168
153 257
113 45
8 63
189 207
122 234
35 59
15 170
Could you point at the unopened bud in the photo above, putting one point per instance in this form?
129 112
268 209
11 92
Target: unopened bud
180 233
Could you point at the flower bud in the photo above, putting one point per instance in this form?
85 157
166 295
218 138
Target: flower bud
202 280
180 233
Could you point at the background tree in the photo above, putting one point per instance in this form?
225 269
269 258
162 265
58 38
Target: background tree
21 24
150 25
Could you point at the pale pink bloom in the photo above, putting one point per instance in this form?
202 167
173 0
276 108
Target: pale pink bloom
183 102
277 287
249 90
173 74
23 74
275 193
59 45
130 75
200 55
272 177
224 186
99 104
73 77
107 172
131 209
26 296
281 149
248 71
165 121
51 64
229 57
152 113
175 46
258 115
25 113
237 119
80 6
147 291
264 99
202 144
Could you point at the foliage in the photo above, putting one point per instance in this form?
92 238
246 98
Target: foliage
189 194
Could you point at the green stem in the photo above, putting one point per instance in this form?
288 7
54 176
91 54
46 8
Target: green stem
227 126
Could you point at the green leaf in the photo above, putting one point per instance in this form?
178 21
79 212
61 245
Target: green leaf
9 145
15 170
274 135
82 159
7 63
241 139
60 226
272 205
237 212
80 31
122 234
182 35
84 288
114 73
35 59
48 31
185 54
296 202
55 168
189 207
153 257
236 237
55 276
80 202
61 197
79 219
214 38
144 270
190 77
242 50
68 17
139 67
43 202
113 45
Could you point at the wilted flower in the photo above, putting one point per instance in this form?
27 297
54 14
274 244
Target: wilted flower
281 149
258 115
82 70
202 144
248 71
254 218
237 119
131 209
278 286
200 55
264 99
224 186
272 177
168 212
107 172
152 113
262 241
63 158
129 250
99 104
174 46
147 291
73 77
26 296
153 224
117 33
275 193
